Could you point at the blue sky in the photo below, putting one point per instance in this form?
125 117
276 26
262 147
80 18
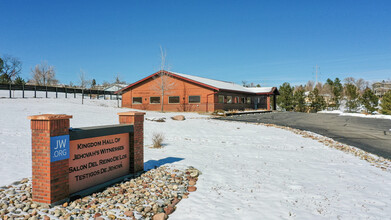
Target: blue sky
266 42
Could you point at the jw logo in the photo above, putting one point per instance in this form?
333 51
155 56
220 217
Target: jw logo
61 144
59 148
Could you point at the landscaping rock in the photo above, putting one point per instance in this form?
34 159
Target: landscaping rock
154 195
178 118
160 216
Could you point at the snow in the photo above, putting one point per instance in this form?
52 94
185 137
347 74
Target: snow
225 85
341 113
248 171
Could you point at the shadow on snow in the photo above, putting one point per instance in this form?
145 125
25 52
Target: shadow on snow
151 164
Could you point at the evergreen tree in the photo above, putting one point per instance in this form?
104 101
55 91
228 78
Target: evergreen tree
285 100
352 97
5 79
386 103
317 101
369 100
19 81
93 83
337 89
1 65
299 100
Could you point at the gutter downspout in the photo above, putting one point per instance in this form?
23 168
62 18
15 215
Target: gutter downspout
207 98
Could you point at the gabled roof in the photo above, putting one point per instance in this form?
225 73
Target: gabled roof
217 85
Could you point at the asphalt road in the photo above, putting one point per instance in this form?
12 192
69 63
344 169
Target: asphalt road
371 135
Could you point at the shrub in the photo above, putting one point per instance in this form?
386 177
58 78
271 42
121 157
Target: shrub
218 112
157 140
386 103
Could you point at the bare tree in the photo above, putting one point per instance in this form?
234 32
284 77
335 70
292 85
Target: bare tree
319 86
118 80
164 82
83 81
309 86
11 67
44 75
361 85
327 89
350 80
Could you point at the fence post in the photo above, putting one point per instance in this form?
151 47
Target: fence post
35 91
66 95
46 91
22 90
104 95
97 94
90 94
56 93
136 138
111 96
74 93
10 91
82 96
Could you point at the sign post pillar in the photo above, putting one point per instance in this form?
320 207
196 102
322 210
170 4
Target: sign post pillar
50 154
136 139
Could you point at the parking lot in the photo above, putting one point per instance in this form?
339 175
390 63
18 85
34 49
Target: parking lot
371 135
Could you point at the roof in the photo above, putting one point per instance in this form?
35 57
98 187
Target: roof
213 84
115 87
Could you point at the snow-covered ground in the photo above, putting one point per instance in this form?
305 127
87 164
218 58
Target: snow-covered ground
249 171
341 113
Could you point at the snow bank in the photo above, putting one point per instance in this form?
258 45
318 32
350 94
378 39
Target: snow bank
380 116
249 171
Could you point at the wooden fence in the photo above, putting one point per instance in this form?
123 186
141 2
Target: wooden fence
66 90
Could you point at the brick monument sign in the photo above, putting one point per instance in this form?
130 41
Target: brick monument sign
72 162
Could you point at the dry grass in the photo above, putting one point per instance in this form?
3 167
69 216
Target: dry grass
157 140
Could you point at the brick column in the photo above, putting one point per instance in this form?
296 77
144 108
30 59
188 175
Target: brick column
136 139
50 179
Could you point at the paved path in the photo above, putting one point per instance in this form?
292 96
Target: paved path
371 135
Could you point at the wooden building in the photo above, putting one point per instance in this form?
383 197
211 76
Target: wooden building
170 91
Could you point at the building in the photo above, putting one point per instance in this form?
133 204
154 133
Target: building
169 91
380 88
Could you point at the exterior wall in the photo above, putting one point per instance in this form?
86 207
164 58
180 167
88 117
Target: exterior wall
234 105
381 88
174 87
177 87
240 105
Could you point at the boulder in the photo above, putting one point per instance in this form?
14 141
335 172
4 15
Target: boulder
178 118
160 216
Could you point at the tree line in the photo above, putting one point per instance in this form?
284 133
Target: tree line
43 74
313 98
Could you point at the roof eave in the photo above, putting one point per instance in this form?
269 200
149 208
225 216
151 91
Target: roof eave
169 73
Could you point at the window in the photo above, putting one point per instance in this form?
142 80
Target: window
243 100
248 100
154 100
221 99
173 99
194 99
137 100
229 99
